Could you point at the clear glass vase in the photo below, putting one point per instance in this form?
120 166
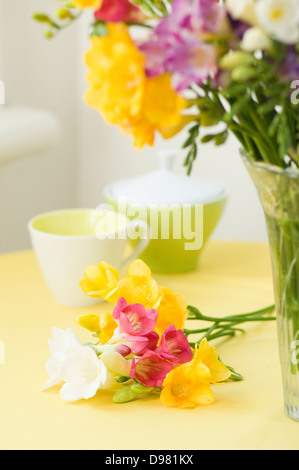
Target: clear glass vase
279 194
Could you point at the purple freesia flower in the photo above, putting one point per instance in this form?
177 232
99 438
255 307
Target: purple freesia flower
289 69
177 44
239 27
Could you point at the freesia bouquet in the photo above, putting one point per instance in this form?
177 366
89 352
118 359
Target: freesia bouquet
142 347
162 65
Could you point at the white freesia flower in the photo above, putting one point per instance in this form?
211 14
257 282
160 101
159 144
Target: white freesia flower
242 10
83 374
255 39
59 344
279 18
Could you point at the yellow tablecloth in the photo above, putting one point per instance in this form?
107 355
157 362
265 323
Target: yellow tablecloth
233 278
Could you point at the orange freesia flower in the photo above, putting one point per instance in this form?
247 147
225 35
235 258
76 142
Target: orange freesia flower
104 325
188 385
100 281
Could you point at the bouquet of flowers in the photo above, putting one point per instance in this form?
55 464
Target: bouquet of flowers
162 65
142 347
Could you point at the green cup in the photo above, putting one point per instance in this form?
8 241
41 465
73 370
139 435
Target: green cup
178 232
181 212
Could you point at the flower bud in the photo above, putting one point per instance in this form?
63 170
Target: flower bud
236 59
242 74
63 14
124 395
255 39
48 34
123 349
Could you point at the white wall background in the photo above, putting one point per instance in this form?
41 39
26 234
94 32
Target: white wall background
40 74
50 75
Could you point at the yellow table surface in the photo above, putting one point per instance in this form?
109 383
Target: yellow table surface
233 278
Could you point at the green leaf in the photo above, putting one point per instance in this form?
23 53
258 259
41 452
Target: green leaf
188 142
237 107
194 129
235 90
221 138
274 125
208 138
268 107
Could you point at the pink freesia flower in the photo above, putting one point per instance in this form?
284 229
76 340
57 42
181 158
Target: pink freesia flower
151 369
151 344
138 344
119 10
123 349
136 325
134 319
177 45
195 15
174 346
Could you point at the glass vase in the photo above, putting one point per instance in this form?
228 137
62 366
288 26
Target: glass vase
279 194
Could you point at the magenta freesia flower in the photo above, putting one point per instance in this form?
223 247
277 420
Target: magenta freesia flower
151 369
177 45
118 10
174 346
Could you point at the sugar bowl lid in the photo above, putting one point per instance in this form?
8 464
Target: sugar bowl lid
165 186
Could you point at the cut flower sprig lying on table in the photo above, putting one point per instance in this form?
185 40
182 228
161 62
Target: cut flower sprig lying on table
142 347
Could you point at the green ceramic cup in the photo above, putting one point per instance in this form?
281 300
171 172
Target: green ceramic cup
181 212
174 255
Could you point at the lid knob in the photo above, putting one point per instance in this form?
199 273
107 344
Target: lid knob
166 159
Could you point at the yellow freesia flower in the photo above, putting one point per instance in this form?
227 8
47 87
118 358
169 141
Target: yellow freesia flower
183 389
104 325
171 311
81 4
125 96
207 356
188 385
161 111
116 76
100 281
139 286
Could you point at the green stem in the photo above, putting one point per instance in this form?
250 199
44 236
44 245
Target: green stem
225 326
200 316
